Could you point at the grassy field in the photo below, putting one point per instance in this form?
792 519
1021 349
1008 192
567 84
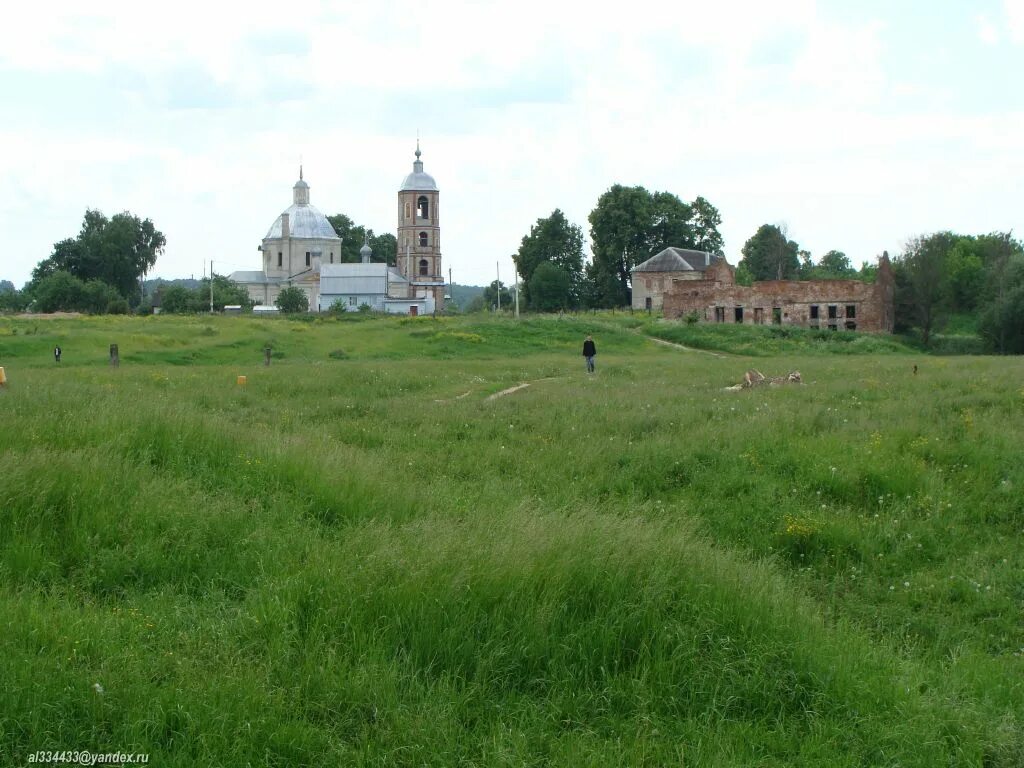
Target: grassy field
363 558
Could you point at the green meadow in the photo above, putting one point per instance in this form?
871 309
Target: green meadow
365 557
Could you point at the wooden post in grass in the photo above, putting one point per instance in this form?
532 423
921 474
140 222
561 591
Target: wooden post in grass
115 359
267 351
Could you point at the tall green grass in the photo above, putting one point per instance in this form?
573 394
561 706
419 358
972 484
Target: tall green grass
365 561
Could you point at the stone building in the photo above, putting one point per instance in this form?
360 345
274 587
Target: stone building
653 277
847 305
302 249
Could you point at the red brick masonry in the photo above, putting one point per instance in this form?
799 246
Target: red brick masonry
828 304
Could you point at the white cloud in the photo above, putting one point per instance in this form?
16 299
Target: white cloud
1015 19
987 31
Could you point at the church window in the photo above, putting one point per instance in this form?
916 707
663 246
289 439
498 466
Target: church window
351 301
332 257
280 258
423 207
423 239
307 258
424 266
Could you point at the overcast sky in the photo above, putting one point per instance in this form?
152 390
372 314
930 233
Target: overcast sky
857 125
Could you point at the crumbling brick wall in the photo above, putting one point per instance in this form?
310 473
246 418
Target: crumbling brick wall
827 304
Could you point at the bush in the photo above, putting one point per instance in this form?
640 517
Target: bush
117 307
292 300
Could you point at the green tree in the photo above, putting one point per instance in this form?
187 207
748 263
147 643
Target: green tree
704 226
493 291
552 240
770 255
57 292
1001 324
620 231
550 288
834 265
669 225
927 287
292 299
118 251
13 301
176 299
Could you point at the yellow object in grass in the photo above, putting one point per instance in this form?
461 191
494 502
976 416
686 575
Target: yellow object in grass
241 381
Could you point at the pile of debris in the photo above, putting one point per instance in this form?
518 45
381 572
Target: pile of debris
754 378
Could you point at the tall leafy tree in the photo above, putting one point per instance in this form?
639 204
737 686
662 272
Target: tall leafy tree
670 223
771 255
704 225
557 241
117 251
620 230
924 262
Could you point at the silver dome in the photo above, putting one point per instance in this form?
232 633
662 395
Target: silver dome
304 221
418 180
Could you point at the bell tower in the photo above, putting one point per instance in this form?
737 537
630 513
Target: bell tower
419 233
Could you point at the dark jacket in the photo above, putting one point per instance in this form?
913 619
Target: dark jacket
589 350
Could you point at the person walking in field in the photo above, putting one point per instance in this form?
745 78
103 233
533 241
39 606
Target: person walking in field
56 354
589 352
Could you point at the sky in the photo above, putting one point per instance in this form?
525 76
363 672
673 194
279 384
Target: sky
855 125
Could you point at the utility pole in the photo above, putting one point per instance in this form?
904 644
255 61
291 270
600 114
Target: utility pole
498 267
517 294
211 286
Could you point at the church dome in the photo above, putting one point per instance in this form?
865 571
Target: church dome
418 181
304 220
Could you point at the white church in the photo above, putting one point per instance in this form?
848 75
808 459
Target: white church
302 249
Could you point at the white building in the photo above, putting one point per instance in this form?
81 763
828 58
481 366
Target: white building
302 249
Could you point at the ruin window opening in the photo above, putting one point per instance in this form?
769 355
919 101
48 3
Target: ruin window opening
738 314
758 316
851 325
280 258
719 314
307 258
424 265
851 310
832 311
814 311
776 315
423 239
423 207
833 327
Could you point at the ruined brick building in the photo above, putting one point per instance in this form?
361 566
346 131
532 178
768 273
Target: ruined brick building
838 305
